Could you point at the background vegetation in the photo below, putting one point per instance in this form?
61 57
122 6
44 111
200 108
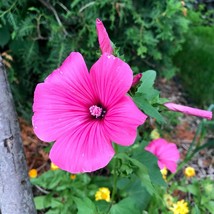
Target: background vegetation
40 34
196 58
172 37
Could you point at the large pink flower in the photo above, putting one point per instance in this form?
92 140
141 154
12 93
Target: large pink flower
167 153
84 112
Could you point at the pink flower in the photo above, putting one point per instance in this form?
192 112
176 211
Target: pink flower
85 112
189 110
167 153
103 38
136 79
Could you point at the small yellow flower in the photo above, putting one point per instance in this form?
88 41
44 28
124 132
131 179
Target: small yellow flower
164 173
154 134
32 173
168 200
180 207
189 172
54 167
73 177
103 194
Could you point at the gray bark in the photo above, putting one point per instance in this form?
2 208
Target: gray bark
15 189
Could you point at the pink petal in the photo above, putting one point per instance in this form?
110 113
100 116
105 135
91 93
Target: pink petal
166 152
84 150
170 165
122 120
189 110
170 153
112 78
62 101
136 79
103 38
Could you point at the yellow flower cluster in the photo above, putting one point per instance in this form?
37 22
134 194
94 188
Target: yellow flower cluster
189 172
103 194
32 173
180 207
164 173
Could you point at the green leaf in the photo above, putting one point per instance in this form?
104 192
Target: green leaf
193 189
125 206
42 202
55 211
102 206
139 169
85 206
135 191
148 80
143 104
150 161
4 36
195 210
210 206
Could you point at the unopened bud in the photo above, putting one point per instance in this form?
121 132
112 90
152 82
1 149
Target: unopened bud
136 79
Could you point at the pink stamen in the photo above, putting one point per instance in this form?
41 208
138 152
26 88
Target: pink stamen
95 111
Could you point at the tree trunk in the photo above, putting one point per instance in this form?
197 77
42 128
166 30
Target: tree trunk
15 189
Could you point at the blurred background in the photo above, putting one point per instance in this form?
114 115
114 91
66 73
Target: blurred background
173 37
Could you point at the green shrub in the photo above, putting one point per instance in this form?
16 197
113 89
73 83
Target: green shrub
196 62
40 34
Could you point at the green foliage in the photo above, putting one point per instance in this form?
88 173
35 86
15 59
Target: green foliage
42 33
147 98
130 180
196 60
201 191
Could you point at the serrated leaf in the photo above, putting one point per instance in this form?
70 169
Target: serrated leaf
140 170
147 80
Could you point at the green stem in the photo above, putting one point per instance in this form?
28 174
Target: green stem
115 174
114 191
8 10
190 153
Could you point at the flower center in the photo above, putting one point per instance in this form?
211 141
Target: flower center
97 111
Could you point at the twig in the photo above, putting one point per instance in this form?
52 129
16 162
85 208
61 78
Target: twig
50 7
87 5
42 190
149 63
8 10
38 29
63 6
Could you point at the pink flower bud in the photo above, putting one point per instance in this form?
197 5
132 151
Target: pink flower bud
103 38
189 110
136 79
